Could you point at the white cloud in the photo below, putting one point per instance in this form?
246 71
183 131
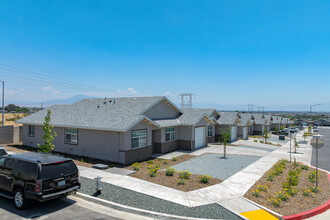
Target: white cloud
55 92
119 93
170 95
48 88
14 92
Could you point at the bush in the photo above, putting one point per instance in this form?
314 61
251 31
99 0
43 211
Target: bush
182 181
82 160
255 193
315 189
274 202
153 171
306 192
261 141
283 196
150 162
304 167
312 176
174 158
262 188
170 171
205 178
136 166
291 191
165 162
184 174
270 177
255 140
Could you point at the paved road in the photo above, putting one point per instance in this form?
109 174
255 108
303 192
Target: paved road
69 208
324 152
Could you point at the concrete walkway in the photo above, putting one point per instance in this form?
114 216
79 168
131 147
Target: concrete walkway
229 193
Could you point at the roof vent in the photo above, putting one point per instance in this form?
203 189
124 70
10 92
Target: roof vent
98 106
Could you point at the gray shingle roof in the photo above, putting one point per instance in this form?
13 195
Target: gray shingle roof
116 114
245 118
259 119
277 119
228 118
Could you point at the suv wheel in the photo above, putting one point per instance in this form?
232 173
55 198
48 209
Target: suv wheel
19 199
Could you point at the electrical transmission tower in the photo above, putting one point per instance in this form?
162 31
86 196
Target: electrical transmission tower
261 109
186 100
250 107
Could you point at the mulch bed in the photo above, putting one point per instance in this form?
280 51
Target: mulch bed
192 183
296 203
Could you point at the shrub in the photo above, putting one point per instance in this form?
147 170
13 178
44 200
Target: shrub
261 141
291 191
283 196
255 140
315 189
304 167
184 174
153 171
174 158
136 166
270 177
165 162
182 181
306 192
150 162
170 171
157 165
255 193
262 188
205 178
274 202
82 160
312 176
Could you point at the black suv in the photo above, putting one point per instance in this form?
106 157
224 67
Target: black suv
3 151
37 176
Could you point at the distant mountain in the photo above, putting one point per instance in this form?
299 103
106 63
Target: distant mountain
69 100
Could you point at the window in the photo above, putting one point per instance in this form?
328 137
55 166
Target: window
139 138
31 130
251 128
71 135
26 170
9 165
169 134
210 131
50 171
2 161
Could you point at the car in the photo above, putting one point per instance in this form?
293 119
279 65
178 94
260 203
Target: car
3 151
283 132
37 176
315 130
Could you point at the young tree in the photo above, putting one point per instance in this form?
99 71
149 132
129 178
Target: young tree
295 144
266 135
49 136
225 137
305 135
276 130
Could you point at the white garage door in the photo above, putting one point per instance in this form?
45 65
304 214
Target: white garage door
245 133
199 137
234 133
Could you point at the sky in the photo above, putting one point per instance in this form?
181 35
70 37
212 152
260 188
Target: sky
266 53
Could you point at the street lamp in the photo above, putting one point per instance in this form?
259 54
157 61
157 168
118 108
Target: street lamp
3 102
317 142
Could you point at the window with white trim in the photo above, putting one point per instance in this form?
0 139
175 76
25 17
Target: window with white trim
139 138
169 134
31 130
210 131
71 135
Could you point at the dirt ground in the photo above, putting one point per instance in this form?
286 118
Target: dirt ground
297 203
193 182
10 118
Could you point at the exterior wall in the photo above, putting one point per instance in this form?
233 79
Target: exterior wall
258 129
161 111
210 139
6 134
241 131
218 129
106 145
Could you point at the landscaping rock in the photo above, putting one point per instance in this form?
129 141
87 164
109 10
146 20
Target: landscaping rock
100 166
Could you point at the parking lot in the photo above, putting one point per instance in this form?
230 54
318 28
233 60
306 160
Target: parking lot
324 152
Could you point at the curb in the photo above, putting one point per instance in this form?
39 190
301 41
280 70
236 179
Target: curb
312 212
136 211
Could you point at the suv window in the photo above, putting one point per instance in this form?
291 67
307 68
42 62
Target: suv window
3 152
2 161
50 171
26 170
9 164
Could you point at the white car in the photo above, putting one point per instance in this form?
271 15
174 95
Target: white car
3 151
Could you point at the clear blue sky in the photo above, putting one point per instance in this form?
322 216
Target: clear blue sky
226 52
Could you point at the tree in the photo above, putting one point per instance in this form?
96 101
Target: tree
225 137
11 108
266 135
276 130
49 136
295 144
305 135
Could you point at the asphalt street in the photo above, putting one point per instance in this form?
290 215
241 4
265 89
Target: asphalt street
68 208
324 152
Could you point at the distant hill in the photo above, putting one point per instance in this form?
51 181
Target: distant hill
69 100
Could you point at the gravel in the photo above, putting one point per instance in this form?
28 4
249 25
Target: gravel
216 166
138 200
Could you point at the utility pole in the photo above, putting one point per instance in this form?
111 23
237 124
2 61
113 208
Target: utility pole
3 102
250 108
41 107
